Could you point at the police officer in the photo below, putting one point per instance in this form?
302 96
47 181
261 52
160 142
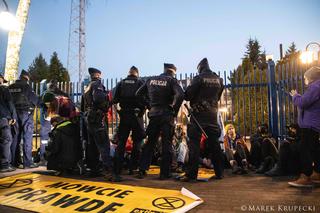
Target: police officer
95 103
204 93
132 110
24 100
8 117
165 98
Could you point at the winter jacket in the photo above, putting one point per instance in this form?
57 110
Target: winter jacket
64 148
309 107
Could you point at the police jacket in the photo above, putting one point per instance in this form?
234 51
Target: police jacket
125 94
163 93
7 109
204 92
23 96
95 97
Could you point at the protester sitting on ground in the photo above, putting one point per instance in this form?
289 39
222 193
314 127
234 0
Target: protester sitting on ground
309 121
64 148
255 158
50 93
236 150
180 149
269 155
289 162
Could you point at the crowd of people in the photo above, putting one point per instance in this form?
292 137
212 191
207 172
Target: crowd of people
75 139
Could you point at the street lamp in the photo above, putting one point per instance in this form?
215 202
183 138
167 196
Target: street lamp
8 21
308 56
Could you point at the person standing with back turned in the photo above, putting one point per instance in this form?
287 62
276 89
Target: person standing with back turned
165 98
25 100
132 110
204 92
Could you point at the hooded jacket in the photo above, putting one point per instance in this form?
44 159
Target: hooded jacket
309 107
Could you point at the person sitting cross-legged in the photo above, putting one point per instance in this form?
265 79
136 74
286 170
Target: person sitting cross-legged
236 151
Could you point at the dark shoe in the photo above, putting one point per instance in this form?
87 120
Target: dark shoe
7 169
243 171
275 172
263 168
130 172
236 170
234 167
185 178
32 166
141 174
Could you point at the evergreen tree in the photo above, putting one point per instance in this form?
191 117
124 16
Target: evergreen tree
56 70
292 49
253 51
255 55
39 69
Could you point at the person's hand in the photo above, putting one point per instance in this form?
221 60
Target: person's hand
293 92
12 122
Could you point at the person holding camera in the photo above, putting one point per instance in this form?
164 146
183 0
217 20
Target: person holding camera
309 121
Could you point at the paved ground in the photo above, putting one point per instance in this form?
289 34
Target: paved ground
248 193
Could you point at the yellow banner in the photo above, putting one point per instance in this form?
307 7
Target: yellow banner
203 173
43 193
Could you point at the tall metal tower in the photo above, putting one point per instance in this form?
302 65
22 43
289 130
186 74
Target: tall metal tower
15 40
76 63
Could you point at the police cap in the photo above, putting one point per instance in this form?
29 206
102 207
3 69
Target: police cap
92 70
24 73
133 68
203 64
170 67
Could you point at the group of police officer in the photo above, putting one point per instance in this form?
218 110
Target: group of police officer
162 96
17 103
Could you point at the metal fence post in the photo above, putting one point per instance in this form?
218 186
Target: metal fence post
272 98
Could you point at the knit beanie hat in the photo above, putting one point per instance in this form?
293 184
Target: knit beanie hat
312 74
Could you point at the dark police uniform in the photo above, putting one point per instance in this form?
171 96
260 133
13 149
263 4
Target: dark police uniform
204 93
165 97
7 113
25 101
132 110
95 104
